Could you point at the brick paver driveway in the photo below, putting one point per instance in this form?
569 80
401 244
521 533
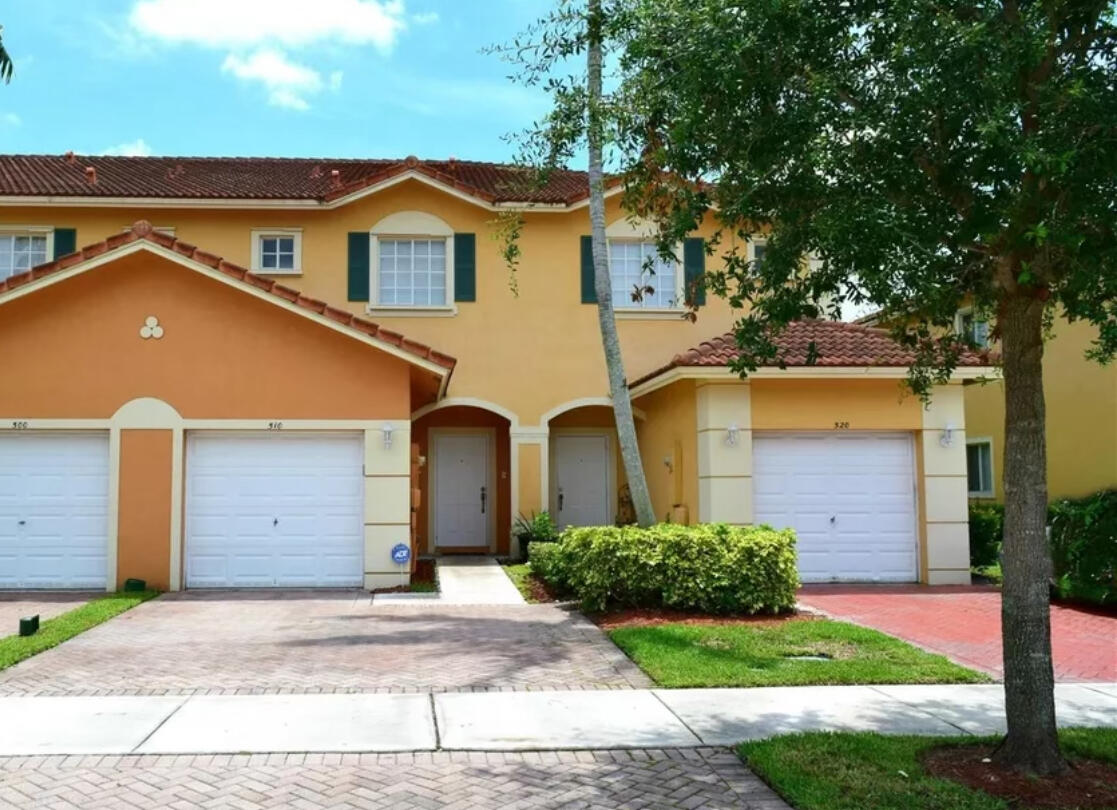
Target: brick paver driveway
695 779
14 605
964 624
223 642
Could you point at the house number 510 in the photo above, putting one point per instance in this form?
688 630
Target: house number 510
275 426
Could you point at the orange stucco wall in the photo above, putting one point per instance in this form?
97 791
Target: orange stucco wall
76 351
828 404
143 546
528 351
465 417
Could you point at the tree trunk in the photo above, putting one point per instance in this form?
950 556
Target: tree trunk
614 362
1031 744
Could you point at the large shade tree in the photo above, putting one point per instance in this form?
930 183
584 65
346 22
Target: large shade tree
926 155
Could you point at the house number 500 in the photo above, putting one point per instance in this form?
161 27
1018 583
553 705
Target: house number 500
19 425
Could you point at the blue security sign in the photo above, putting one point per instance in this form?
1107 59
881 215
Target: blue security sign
401 554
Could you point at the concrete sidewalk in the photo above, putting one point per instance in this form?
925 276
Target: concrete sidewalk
464 580
508 721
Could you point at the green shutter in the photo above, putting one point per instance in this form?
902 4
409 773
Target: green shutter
694 267
65 242
358 266
589 291
465 267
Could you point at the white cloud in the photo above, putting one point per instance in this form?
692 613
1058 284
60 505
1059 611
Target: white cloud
237 24
136 148
288 83
11 119
425 18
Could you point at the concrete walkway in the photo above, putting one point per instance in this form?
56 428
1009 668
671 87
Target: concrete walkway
507 721
462 581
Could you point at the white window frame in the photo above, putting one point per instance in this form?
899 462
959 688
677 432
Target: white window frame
959 319
752 245
405 225
639 230
259 234
991 491
31 230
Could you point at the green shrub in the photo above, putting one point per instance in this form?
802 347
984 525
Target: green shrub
987 523
712 568
1084 547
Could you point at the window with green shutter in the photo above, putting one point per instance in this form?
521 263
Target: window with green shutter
465 267
358 266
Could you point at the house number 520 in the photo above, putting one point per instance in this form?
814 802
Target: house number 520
841 426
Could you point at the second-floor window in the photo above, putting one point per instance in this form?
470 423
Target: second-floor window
411 272
21 251
277 251
636 266
973 328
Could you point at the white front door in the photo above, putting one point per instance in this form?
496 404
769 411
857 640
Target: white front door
582 492
274 510
850 498
463 500
54 496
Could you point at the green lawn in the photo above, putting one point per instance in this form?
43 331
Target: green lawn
64 626
867 771
990 572
680 655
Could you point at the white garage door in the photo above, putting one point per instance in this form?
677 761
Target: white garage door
850 499
54 495
274 510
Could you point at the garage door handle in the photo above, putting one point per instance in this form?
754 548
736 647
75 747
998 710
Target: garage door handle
275 521
833 518
23 523
561 498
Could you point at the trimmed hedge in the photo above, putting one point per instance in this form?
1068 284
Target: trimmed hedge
713 568
1084 547
987 526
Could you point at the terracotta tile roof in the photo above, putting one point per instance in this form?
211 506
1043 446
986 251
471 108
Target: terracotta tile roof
143 230
252 178
836 344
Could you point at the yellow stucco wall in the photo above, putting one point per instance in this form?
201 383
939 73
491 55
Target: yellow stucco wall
1081 416
528 353
670 432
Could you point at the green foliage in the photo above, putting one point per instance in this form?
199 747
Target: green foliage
53 632
734 654
713 568
987 525
1084 547
869 771
924 154
538 528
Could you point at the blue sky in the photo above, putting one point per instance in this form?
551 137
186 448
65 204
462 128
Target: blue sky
338 78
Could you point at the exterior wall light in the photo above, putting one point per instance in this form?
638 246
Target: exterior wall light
387 431
947 437
732 435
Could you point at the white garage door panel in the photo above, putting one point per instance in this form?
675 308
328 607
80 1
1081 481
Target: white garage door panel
274 511
54 493
863 481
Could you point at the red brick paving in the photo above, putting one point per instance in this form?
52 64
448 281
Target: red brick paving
964 624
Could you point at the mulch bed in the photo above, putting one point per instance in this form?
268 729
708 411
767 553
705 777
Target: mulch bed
649 617
1088 785
540 591
408 588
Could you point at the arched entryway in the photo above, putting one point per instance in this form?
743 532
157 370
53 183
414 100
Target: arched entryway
464 480
586 477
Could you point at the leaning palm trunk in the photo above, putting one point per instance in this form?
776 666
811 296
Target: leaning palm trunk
614 362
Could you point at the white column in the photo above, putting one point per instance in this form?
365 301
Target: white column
724 453
945 488
387 501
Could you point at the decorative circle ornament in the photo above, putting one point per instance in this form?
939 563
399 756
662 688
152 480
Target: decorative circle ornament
151 328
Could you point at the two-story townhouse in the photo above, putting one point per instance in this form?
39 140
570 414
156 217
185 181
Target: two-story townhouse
271 372
1081 415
